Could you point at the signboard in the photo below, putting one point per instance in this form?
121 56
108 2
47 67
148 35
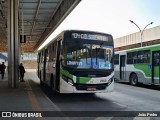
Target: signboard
89 36
22 38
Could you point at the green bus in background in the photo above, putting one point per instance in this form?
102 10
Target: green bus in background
138 65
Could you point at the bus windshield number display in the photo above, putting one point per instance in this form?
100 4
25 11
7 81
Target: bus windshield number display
89 36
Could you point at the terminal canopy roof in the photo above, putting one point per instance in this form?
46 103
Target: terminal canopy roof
38 17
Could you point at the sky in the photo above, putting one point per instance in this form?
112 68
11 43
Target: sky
111 16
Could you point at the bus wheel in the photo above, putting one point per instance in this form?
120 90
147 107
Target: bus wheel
52 84
41 83
134 79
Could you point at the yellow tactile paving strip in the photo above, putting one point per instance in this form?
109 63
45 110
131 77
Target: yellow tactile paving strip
33 100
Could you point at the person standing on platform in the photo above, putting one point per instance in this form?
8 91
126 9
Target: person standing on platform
21 71
2 67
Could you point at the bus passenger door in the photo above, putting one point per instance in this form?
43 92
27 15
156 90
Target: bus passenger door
53 64
156 67
57 80
122 67
46 71
44 67
42 73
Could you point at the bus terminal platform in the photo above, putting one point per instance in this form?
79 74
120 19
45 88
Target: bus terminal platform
26 98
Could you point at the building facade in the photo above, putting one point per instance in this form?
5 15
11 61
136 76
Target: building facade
149 37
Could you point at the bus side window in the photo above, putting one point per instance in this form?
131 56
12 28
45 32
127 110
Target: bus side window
129 58
143 56
42 56
47 55
132 58
156 59
54 53
38 58
140 57
147 56
51 52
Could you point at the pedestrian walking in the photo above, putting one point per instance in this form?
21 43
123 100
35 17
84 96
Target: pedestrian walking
2 67
21 71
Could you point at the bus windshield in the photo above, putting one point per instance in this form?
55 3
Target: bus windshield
88 55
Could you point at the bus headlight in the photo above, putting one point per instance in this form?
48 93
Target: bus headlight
110 81
68 80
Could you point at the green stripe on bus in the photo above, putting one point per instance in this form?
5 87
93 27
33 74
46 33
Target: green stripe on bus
66 73
82 80
144 68
156 71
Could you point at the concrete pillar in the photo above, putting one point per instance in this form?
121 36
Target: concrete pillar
13 43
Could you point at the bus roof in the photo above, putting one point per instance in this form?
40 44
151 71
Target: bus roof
65 31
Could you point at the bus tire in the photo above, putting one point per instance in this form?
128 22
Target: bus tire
52 84
133 79
41 83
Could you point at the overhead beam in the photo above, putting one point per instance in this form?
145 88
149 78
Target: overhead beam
35 16
62 12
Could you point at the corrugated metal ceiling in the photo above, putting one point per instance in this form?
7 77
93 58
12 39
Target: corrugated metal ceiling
38 18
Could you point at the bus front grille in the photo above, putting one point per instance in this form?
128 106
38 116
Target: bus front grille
85 87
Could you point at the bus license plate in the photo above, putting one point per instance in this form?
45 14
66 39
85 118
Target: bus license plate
91 89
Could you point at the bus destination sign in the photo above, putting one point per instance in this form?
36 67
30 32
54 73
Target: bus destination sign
89 36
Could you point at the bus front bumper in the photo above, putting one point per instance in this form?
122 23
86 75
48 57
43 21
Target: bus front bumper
68 88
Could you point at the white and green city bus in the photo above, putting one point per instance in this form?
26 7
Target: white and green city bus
138 65
78 62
